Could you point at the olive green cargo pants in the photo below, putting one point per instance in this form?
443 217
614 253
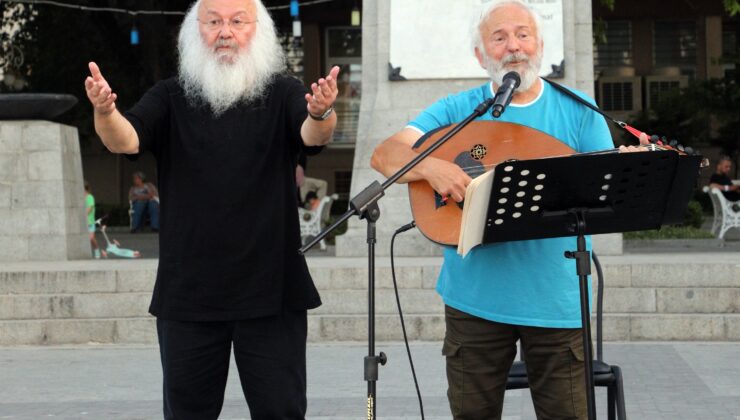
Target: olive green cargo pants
479 354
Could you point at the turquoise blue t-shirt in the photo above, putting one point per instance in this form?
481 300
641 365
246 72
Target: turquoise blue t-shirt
522 282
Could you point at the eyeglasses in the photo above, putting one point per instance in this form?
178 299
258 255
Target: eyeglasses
236 24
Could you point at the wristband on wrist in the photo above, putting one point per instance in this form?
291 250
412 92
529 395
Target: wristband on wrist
323 116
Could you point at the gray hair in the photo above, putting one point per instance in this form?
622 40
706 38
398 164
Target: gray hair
485 10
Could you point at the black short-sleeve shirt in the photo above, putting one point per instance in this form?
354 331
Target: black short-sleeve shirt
229 231
722 179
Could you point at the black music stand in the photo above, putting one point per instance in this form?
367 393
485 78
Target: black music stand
617 192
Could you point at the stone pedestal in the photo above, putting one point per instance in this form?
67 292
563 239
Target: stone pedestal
387 106
42 205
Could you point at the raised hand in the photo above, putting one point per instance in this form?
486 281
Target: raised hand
99 92
324 93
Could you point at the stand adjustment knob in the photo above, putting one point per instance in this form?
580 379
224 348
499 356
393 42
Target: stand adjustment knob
382 358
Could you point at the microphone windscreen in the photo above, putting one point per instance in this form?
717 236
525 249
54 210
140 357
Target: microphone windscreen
512 75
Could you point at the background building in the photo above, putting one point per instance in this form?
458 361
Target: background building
647 49
642 50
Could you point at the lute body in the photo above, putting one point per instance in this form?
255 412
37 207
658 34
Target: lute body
478 148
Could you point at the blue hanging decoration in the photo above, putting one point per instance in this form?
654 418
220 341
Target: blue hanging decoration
295 47
297 30
294 8
134 35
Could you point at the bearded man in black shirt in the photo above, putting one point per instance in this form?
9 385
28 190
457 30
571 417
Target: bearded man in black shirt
232 125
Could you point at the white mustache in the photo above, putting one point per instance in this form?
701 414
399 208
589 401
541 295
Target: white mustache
224 43
520 57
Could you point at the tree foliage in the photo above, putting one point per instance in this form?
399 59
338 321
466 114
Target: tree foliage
15 18
705 112
58 43
732 7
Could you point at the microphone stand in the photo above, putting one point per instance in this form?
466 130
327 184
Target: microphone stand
365 205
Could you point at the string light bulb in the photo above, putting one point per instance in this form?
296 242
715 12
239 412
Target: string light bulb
356 17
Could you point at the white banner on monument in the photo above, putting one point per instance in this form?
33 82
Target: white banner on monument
430 39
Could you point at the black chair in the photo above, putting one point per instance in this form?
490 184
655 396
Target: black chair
605 374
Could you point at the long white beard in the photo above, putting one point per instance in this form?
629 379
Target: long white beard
225 78
497 69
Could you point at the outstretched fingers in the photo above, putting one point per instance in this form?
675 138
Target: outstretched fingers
323 93
99 93
95 71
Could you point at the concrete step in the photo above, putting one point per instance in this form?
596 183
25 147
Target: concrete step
647 297
79 305
719 270
326 328
354 302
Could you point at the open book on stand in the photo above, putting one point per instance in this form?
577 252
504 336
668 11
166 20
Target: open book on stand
475 209
540 198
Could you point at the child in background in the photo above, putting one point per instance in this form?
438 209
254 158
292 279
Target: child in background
312 201
90 209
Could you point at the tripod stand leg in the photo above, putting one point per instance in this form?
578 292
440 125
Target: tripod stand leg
583 269
587 358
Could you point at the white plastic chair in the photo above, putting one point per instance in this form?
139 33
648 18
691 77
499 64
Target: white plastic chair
725 218
312 221
130 215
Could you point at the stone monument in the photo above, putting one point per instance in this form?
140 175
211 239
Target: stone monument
42 206
387 105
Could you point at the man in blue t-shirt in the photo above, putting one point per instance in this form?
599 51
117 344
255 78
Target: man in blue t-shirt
522 290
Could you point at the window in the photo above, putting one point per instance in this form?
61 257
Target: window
293 49
616 46
658 86
619 93
674 45
729 48
344 49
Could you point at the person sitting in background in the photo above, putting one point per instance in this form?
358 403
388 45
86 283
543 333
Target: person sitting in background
720 179
144 200
307 184
312 201
318 186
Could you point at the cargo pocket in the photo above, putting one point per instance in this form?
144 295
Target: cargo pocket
455 372
577 353
577 381
450 349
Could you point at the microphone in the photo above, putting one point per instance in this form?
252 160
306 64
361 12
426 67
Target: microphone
505 92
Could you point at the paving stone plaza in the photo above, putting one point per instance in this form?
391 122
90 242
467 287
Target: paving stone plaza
90 378
670 381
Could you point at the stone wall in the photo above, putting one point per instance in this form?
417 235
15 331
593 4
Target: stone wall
42 207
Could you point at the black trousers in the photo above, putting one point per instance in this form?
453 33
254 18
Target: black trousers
270 354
